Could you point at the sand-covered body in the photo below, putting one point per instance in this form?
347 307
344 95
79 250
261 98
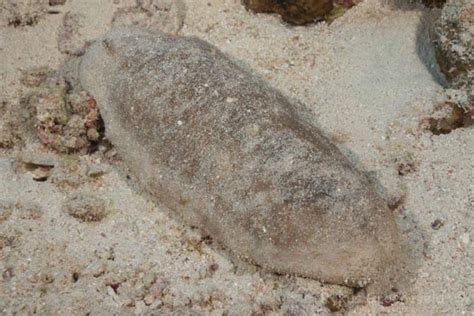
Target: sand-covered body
231 156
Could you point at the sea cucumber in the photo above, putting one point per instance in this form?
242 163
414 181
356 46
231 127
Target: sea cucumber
229 154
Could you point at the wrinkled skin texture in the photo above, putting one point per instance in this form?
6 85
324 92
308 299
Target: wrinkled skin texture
230 155
296 12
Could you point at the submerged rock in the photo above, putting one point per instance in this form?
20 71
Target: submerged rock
64 119
229 154
70 40
454 43
297 12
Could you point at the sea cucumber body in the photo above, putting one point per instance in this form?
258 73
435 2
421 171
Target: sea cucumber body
230 155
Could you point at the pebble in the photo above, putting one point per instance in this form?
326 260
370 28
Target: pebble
296 12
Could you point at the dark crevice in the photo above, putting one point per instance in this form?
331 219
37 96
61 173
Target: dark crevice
75 277
456 118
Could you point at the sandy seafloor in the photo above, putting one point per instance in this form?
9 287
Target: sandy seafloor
368 80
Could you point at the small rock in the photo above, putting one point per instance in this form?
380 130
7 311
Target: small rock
454 43
437 224
336 302
390 299
50 107
70 40
92 134
36 76
213 267
8 137
454 110
65 120
8 273
86 208
405 164
39 158
296 12
454 47
39 172
106 253
96 170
